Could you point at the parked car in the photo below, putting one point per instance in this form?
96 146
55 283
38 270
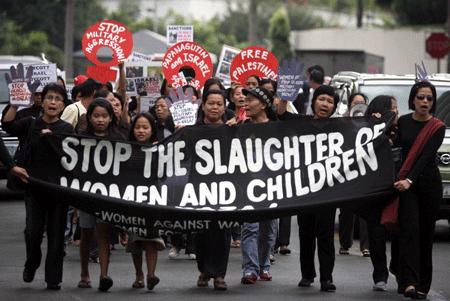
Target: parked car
399 86
6 61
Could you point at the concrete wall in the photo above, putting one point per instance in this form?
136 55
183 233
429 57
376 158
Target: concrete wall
335 61
401 48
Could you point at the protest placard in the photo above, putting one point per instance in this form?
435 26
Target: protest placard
21 84
44 73
223 68
253 60
147 85
187 54
290 79
147 102
140 57
184 112
179 33
110 34
106 34
69 88
19 95
130 88
136 69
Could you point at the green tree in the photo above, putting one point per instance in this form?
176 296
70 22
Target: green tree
48 16
13 41
300 18
419 12
279 31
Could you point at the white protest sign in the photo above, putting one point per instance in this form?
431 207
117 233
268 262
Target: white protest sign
179 33
69 88
45 73
136 69
147 102
223 68
140 57
21 84
19 94
184 112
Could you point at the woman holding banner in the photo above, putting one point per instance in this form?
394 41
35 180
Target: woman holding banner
143 130
42 213
100 123
317 225
213 245
419 183
258 238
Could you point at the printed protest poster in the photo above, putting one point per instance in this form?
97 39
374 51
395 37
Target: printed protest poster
290 79
223 68
179 33
19 94
146 86
44 73
140 57
183 110
136 69
69 88
21 84
131 87
187 55
253 60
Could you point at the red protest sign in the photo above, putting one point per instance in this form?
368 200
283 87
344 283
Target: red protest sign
101 73
253 60
110 34
187 54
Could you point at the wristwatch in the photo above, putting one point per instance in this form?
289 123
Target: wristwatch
409 181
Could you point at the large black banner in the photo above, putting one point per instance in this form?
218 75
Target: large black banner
218 174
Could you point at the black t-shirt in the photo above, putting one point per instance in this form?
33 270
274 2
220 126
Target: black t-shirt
408 130
38 153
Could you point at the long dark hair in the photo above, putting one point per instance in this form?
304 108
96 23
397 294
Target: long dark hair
152 122
100 102
380 104
211 81
415 88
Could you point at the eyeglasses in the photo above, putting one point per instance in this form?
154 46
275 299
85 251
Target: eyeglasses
422 97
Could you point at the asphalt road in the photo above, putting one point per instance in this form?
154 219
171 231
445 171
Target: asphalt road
352 273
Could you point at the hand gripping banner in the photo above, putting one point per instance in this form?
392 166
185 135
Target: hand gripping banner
220 174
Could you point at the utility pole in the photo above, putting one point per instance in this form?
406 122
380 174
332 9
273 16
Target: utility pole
68 38
359 13
252 16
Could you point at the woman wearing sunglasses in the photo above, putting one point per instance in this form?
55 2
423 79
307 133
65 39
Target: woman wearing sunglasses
419 183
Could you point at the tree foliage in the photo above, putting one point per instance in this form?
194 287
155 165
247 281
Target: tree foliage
419 12
279 31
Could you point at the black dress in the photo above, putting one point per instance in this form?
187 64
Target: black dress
418 208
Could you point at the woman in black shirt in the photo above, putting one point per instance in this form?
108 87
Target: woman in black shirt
41 212
420 192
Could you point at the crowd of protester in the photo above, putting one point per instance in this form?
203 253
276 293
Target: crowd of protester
98 111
